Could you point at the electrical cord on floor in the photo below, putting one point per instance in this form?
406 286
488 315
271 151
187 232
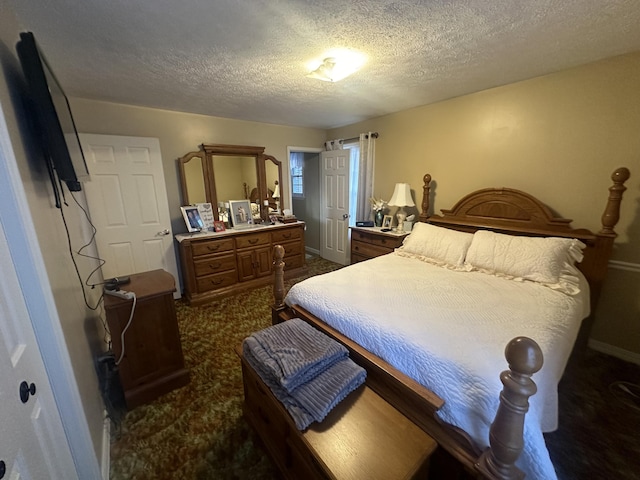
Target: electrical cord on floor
124 330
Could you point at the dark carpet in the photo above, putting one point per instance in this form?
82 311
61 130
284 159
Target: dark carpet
198 433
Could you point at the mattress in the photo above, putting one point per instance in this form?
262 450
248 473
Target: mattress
448 330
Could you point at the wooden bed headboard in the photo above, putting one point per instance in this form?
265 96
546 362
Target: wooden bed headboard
510 211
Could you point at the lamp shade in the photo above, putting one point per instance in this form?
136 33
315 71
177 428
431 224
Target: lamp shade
276 191
401 196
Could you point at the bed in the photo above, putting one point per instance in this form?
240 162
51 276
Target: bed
432 323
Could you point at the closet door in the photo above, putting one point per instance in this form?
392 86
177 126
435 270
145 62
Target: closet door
127 199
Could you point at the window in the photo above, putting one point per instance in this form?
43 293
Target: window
296 164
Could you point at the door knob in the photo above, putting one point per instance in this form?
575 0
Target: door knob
345 216
163 232
26 390
3 468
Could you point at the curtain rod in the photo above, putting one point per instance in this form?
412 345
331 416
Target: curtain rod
373 134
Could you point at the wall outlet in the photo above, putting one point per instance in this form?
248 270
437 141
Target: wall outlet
121 293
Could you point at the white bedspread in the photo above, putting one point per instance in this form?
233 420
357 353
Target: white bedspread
448 330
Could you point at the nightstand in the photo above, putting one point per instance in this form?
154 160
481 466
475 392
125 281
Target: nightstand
369 242
152 363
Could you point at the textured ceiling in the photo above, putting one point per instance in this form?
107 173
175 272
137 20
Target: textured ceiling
245 59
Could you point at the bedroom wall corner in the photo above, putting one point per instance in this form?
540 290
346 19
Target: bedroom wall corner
77 391
616 330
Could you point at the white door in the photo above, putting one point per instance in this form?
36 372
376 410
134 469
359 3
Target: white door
33 443
127 199
334 206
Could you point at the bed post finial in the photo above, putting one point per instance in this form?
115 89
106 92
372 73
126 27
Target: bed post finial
426 196
611 213
278 283
506 434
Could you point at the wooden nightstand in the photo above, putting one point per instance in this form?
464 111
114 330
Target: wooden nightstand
152 363
369 242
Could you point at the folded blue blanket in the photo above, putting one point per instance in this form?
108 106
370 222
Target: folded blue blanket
327 380
294 352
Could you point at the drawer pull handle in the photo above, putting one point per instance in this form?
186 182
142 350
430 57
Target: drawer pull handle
212 248
357 248
217 281
254 241
215 266
286 235
384 240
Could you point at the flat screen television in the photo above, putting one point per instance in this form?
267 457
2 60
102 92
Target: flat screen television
53 114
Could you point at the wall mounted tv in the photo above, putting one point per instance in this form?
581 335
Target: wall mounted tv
53 113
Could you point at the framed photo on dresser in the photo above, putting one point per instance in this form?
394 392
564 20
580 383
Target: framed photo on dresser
240 213
192 218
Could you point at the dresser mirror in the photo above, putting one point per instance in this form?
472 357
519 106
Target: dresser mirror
217 174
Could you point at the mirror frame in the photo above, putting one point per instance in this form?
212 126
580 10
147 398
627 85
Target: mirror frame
206 154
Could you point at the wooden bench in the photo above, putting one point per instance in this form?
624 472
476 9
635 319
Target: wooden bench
362 437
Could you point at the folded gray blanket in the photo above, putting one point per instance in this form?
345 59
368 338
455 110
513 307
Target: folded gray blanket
315 397
293 352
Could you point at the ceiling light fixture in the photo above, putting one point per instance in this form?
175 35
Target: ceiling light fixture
336 65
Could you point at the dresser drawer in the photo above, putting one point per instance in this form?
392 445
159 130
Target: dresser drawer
212 246
292 248
295 261
215 264
368 249
381 240
285 235
219 280
248 241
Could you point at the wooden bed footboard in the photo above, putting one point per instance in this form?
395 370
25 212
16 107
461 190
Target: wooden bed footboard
420 405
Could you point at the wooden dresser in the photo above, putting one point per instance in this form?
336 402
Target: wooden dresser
218 264
153 363
362 437
369 242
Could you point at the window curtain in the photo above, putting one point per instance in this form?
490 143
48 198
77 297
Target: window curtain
366 167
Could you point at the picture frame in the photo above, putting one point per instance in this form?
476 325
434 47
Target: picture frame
240 213
273 219
218 226
192 218
206 214
387 221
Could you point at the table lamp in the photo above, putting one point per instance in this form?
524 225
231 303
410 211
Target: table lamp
401 198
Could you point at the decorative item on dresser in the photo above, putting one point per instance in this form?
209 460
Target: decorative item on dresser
221 263
370 242
152 363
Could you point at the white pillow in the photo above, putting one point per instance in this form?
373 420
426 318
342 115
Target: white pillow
439 245
546 260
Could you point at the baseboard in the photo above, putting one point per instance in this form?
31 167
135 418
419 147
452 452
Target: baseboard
312 251
617 352
627 266
106 448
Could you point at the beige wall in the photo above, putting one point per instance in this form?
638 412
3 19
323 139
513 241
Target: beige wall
180 133
79 325
558 137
